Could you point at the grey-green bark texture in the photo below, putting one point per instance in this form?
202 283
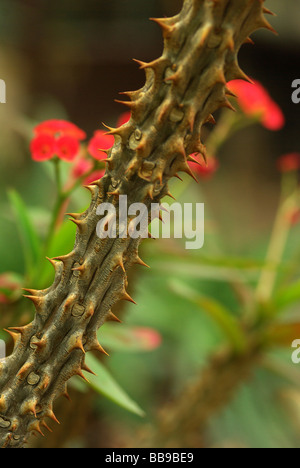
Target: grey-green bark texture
182 90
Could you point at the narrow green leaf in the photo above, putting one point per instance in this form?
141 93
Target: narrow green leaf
209 272
105 384
216 311
27 232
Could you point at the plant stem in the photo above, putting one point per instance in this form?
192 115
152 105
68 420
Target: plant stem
56 162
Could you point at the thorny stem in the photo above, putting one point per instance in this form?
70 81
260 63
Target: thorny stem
183 88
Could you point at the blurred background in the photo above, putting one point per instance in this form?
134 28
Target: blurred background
69 60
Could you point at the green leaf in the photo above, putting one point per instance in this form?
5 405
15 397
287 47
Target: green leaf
216 311
27 232
105 384
219 269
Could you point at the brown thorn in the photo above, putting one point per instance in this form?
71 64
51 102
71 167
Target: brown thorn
127 297
39 344
20 330
249 41
53 263
67 396
36 427
192 159
125 103
33 292
24 370
162 23
112 318
168 194
139 261
87 369
81 268
266 11
44 424
74 215
14 336
36 300
99 348
140 63
50 414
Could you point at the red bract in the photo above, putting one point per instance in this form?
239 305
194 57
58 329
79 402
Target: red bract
289 162
59 128
254 100
81 167
67 148
123 119
42 147
100 141
94 176
205 170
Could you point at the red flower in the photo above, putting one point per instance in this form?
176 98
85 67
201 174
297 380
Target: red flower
255 100
289 162
95 176
56 137
60 127
124 119
206 170
100 141
42 147
293 217
67 147
81 167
